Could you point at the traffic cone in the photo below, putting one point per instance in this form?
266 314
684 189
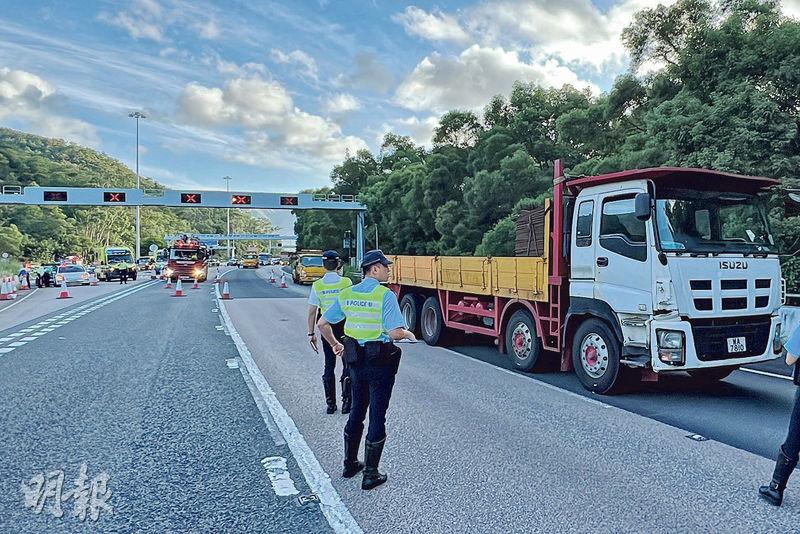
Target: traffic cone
272 276
179 289
169 283
226 292
93 279
64 291
283 280
14 284
23 284
196 285
4 294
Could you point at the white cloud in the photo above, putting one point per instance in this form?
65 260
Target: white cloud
791 8
420 130
341 103
148 19
32 101
298 57
436 26
275 132
440 83
369 74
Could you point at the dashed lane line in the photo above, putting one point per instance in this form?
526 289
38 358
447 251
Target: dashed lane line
32 333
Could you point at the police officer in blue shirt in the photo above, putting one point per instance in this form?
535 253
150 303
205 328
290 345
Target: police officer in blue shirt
372 322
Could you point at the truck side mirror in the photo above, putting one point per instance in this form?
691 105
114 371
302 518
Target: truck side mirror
641 204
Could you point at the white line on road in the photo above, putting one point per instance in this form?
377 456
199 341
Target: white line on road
6 350
765 373
333 508
278 474
20 300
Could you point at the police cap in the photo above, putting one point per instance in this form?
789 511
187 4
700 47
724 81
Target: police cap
330 255
374 256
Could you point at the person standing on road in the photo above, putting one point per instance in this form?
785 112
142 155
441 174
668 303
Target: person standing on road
790 450
123 273
372 322
323 293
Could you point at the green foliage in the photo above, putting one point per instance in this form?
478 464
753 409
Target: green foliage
42 233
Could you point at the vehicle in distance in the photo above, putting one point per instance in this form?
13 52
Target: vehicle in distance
264 258
232 262
308 268
187 260
72 274
250 259
113 260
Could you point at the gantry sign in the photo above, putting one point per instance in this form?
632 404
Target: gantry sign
168 198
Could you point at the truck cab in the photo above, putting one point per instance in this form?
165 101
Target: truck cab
188 259
676 269
308 267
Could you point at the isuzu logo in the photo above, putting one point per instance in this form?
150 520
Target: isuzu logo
733 265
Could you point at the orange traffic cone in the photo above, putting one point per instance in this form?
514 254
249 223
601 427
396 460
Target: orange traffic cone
283 279
64 292
14 284
4 293
179 289
196 285
272 276
23 284
93 279
226 292
169 283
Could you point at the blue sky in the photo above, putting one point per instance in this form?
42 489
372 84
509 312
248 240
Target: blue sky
274 93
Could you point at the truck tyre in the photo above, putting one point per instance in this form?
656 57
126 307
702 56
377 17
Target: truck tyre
431 321
411 305
595 356
523 346
712 374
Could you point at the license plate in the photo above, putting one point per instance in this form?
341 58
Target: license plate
737 344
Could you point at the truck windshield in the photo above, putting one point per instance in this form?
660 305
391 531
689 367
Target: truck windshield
117 258
712 222
311 261
178 254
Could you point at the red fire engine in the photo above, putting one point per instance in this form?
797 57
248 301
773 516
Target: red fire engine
188 259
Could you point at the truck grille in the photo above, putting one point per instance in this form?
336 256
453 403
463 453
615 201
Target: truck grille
730 294
711 337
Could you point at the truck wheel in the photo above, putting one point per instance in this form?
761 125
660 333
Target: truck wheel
410 306
431 321
712 374
595 356
522 344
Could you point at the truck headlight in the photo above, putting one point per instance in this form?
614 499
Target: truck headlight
671 346
777 342
168 272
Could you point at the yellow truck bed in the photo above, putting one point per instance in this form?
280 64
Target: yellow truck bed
522 278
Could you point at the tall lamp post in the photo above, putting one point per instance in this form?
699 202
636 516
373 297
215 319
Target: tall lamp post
228 189
138 115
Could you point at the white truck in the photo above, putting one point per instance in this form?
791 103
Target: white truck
655 270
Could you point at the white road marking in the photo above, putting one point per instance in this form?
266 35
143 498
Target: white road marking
765 373
2 339
17 343
28 338
279 475
15 334
20 300
26 330
339 517
6 350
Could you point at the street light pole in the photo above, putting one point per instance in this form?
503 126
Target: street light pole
228 189
138 115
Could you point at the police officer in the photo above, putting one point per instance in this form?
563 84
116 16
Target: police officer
123 272
372 322
323 293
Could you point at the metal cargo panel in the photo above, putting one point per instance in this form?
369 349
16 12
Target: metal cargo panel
465 274
418 271
522 278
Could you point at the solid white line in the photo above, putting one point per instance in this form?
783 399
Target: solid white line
20 300
334 510
765 373
6 350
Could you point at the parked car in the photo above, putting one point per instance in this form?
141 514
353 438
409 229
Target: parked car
233 262
145 264
72 274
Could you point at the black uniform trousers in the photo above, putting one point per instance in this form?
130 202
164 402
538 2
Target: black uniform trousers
373 381
330 356
791 447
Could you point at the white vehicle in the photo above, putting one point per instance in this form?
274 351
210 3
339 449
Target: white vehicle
660 270
72 274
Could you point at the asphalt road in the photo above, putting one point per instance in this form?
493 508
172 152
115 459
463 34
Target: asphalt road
136 384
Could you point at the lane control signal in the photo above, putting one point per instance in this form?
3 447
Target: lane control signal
113 196
55 196
191 198
241 200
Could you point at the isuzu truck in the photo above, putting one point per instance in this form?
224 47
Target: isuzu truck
641 272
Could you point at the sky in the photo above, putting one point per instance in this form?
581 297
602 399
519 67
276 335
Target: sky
275 93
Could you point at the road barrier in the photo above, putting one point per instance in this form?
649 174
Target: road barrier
283 280
226 292
64 291
179 289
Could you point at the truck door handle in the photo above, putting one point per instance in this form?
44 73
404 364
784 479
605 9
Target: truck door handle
602 262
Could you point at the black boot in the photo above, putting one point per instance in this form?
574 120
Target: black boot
330 393
372 457
773 493
347 395
351 464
